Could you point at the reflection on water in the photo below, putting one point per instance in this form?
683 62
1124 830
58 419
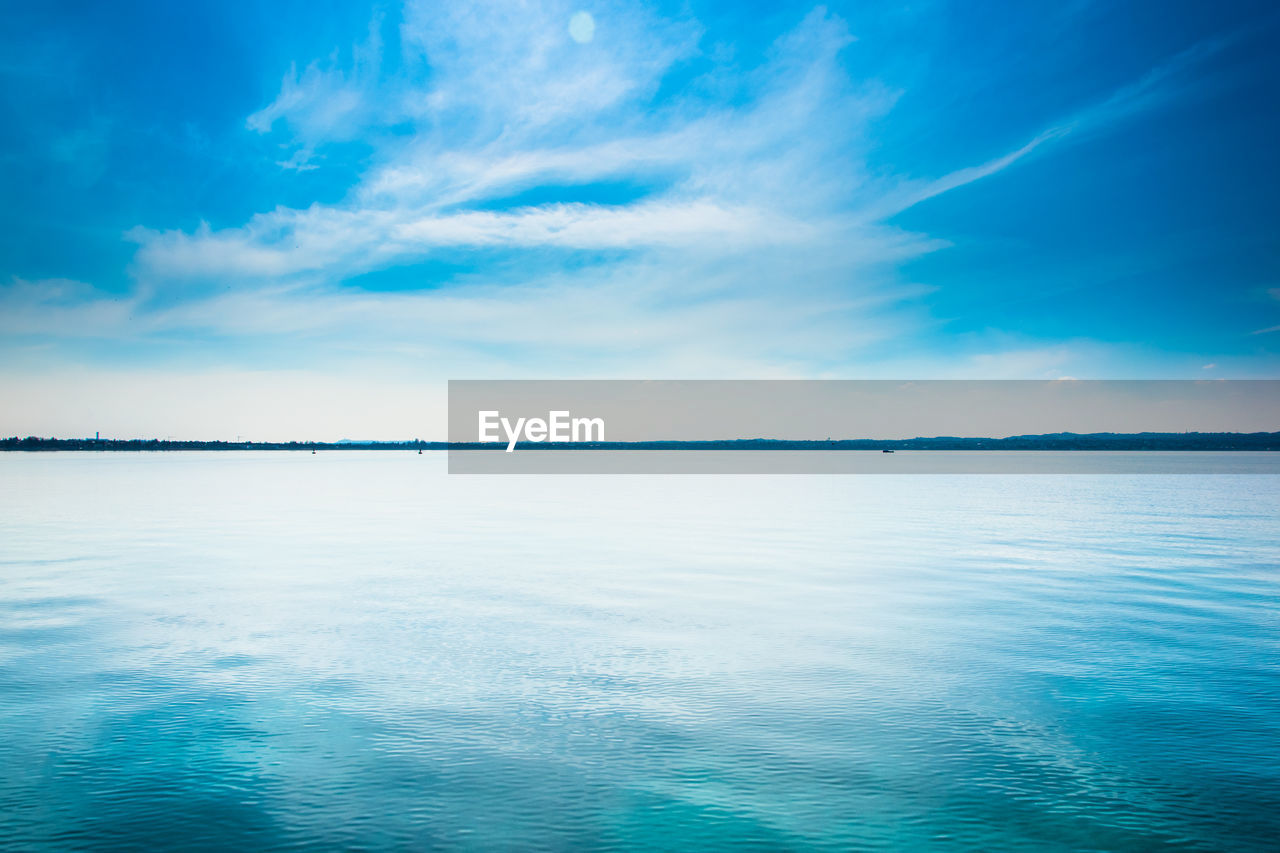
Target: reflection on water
354 649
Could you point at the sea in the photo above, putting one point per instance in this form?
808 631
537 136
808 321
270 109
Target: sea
357 650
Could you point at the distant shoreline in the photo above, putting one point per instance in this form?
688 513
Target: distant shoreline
1154 441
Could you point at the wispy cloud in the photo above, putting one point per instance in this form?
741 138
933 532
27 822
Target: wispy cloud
62 308
504 100
753 237
501 117
325 103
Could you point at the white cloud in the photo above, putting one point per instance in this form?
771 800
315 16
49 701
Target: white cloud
324 103
508 103
754 246
505 102
62 308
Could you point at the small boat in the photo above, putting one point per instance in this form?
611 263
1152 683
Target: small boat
886 451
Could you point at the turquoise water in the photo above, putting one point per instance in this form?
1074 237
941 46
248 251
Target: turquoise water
262 651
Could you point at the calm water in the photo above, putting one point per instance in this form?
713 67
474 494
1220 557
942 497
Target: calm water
273 650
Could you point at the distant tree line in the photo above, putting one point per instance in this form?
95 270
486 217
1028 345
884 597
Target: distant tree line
1053 441
36 443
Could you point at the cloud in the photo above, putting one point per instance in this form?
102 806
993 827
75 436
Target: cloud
910 193
324 103
1158 87
506 102
62 308
347 242
748 235
603 320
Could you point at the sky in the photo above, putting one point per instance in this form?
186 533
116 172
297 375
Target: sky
298 220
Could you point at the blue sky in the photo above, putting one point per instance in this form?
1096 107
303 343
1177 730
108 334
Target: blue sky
299 219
